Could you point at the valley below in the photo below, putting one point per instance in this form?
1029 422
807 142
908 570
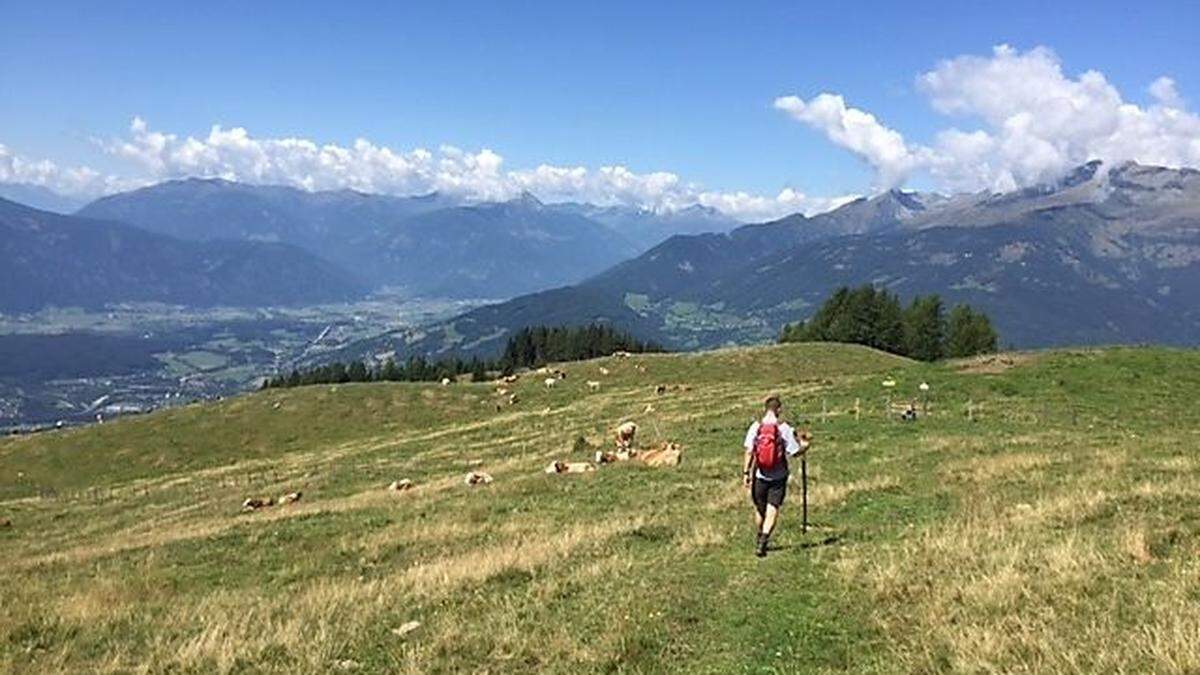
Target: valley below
62 367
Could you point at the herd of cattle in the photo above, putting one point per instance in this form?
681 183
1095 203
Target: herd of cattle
665 454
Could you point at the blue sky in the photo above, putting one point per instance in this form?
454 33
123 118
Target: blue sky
687 88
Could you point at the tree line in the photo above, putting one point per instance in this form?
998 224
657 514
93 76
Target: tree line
527 348
874 317
538 345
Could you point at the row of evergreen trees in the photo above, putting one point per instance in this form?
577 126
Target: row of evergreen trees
416 369
874 317
527 348
539 345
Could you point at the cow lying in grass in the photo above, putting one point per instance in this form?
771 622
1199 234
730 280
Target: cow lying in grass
569 467
666 454
256 503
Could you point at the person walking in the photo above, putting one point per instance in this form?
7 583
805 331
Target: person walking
769 443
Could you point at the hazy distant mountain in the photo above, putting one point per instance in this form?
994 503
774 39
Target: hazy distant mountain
337 224
39 197
429 245
1098 256
646 228
496 249
52 259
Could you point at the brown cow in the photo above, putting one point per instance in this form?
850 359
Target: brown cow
666 454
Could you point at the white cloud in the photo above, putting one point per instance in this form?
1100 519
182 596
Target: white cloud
234 154
79 180
858 131
1036 121
1163 90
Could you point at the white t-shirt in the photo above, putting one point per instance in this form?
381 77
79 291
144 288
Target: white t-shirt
791 446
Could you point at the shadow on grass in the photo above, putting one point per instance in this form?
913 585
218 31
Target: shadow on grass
827 540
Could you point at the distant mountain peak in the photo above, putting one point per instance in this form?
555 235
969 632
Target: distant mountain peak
1080 174
906 199
699 209
527 199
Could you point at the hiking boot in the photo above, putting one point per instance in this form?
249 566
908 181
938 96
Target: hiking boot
761 549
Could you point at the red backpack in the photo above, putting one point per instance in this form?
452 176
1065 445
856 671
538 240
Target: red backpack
768 446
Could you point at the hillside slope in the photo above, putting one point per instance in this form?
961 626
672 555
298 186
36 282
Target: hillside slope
51 259
1041 517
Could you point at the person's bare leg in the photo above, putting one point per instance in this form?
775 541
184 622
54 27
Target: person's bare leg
758 520
767 524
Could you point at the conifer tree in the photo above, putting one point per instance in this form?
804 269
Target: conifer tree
969 333
357 372
924 328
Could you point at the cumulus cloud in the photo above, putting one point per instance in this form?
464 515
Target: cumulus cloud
857 131
660 191
1163 90
235 154
1036 122
80 180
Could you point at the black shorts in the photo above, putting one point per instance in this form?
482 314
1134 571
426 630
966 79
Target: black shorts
765 492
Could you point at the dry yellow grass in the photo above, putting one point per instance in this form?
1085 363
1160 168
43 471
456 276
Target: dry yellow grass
826 495
994 589
991 364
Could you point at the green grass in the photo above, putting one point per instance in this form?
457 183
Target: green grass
1054 529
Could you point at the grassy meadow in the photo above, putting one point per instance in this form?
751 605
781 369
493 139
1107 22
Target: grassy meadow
1042 516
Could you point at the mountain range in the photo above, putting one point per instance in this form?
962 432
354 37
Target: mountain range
646 227
53 259
40 197
429 245
1105 254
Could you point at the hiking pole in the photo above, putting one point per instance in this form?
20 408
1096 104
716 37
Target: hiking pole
804 491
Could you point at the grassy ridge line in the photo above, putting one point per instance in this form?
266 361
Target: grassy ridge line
630 568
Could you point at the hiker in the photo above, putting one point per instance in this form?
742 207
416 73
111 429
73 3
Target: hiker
769 443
